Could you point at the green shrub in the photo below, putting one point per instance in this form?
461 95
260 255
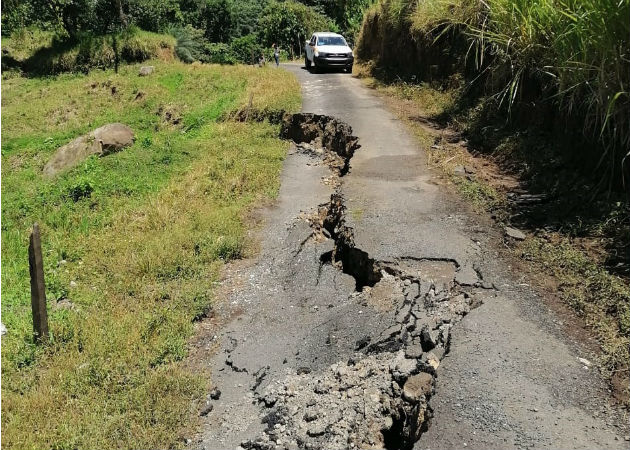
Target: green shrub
190 43
218 53
246 49
289 24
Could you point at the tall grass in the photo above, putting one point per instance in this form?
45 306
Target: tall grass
574 53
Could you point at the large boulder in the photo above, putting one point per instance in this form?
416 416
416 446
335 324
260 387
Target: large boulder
107 139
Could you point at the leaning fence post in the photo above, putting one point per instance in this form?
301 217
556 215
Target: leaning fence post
38 288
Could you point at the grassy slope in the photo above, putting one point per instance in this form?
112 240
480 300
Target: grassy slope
137 252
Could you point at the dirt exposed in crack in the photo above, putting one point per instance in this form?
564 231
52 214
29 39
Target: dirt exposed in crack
379 397
323 132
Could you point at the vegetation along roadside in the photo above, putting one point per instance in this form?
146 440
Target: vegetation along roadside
524 105
132 243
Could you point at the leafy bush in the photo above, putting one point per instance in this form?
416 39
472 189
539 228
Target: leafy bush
218 53
218 18
289 24
190 43
246 49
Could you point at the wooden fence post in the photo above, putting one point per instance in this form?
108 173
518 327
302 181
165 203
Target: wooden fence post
38 288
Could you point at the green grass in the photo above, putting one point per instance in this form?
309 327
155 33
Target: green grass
38 52
136 252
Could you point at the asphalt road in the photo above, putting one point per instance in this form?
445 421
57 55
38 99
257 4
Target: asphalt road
511 378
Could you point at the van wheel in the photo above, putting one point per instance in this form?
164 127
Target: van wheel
307 62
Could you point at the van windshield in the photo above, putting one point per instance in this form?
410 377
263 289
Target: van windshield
331 40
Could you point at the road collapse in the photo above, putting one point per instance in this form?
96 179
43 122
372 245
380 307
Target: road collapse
380 396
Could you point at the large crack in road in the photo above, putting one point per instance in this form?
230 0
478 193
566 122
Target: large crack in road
368 277
379 395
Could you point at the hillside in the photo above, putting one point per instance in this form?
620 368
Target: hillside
133 243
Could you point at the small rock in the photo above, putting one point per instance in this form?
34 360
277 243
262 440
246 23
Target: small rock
309 416
390 332
3 329
316 429
413 351
73 284
303 370
460 171
414 291
431 360
417 387
64 303
215 394
403 313
585 361
146 70
515 234
207 408
402 367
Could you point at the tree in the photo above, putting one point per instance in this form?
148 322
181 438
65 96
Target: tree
218 19
289 24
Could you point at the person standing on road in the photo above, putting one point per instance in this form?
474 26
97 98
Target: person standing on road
276 54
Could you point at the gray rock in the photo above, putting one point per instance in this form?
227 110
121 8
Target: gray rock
215 394
466 276
413 351
107 139
403 313
515 233
146 70
390 332
3 329
402 367
414 291
460 171
207 408
316 429
64 303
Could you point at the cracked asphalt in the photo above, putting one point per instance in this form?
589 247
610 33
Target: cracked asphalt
511 378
